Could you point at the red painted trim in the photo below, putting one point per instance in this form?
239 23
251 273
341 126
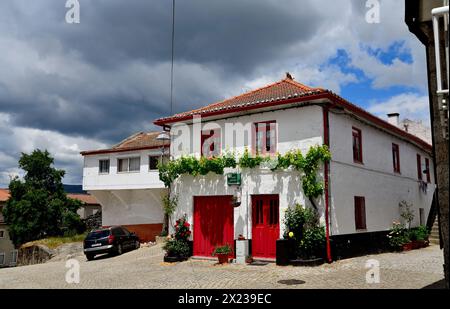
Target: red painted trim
357 157
102 151
326 140
419 167
205 134
267 128
396 157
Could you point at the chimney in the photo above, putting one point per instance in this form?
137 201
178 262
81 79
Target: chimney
393 118
289 76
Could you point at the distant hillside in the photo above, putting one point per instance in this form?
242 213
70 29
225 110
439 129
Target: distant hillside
73 189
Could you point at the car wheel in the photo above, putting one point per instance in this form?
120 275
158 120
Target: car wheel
89 257
119 249
138 244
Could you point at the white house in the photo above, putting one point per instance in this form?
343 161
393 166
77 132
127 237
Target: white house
125 181
375 165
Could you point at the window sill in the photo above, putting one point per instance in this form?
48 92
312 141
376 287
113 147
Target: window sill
103 173
361 230
358 162
133 172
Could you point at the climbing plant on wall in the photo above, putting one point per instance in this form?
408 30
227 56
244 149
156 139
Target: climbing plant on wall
307 166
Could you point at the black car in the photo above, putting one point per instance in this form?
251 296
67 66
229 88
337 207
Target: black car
115 239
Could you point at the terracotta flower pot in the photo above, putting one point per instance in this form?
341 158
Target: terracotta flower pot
415 244
223 258
407 247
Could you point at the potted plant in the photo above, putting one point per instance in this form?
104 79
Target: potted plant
177 246
222 253
176 250
399 238
419 237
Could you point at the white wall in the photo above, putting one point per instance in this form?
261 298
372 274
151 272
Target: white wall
128 207
374 179
297 129
93 180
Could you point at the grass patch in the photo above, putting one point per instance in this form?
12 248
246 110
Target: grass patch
55 242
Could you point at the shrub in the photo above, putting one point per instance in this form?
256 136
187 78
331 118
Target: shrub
178 248
302 225
222 250
297 219
312 244
406 212
398 235
420 233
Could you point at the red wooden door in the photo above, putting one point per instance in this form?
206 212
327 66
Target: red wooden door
265 225
213 224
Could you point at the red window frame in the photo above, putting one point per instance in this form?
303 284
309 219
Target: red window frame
396 158
427 167
360 213
267 127
357 141
419 167
207 134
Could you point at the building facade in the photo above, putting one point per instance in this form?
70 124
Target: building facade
8 252
375 165
125 181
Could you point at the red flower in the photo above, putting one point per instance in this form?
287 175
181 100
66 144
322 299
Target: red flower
186 224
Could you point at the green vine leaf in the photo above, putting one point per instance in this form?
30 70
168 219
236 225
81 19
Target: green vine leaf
307 165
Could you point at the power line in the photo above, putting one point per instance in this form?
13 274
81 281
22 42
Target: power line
173 49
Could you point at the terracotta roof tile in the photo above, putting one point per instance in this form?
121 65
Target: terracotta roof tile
141 140
279 91
85 198
4 195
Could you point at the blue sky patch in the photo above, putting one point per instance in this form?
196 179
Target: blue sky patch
396 50
361 92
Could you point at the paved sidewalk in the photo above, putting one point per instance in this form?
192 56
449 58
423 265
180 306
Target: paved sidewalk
144 268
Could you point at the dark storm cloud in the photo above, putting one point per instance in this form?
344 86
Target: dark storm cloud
233 37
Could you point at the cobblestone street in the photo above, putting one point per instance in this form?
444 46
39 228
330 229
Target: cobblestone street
144 268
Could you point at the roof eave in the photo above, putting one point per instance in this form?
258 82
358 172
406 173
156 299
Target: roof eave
311 97
104 151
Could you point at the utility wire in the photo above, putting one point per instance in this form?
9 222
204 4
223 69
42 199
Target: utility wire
173 49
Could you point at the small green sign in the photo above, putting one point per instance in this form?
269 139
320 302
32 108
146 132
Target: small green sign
234 179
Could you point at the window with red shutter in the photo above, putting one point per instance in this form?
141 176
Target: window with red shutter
419 167
360 213
265 137
396 158
427 168
210 143
357 145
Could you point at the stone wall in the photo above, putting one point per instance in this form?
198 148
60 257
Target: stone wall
34 254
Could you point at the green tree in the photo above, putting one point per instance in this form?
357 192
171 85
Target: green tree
38 206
